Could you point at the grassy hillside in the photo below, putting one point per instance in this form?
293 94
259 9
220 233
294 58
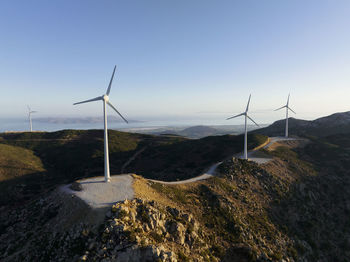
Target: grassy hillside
19 167
16 161
68 155
338 123
294 208
188 158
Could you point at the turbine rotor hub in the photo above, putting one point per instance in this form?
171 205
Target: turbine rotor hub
105 98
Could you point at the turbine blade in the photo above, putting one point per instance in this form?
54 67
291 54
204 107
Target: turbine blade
291 110
248 103
90 100
110 82
288 100
252 120
28 108
236 116
280 108
109 103
33 111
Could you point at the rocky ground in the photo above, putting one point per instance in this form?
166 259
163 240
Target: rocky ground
135 230
140 230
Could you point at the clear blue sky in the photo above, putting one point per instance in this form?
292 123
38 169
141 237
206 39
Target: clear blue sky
175 59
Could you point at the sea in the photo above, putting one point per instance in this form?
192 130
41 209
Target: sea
19 124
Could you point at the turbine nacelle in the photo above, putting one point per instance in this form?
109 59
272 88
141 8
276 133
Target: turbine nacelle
105 98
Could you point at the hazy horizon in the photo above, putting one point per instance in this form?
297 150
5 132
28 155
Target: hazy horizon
96 122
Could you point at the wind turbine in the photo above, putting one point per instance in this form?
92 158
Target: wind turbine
287 108
245 156
30 112
105 99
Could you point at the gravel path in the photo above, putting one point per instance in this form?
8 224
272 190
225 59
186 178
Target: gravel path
96 193
252 155
206 175
278 139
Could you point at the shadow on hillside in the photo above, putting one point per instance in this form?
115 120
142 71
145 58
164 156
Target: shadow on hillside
79 155
18 189
188 158
184 159
316 210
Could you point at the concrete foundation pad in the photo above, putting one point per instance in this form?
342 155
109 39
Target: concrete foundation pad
98 194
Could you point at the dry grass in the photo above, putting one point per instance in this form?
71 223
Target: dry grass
143 190
17 161
289 143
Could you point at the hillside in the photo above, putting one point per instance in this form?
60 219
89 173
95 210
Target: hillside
199 131
196 132
188 158
54 158
17 162
324 126
295 208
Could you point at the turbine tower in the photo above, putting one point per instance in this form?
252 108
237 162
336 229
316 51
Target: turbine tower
287 108
105 99
30 112
245 155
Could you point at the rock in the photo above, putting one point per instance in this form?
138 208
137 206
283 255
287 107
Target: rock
173 211
75 186
114 208
92 245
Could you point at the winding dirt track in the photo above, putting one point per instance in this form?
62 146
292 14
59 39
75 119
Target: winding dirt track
252 155
97 194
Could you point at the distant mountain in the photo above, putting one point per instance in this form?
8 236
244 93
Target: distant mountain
333 124
198 131
194 132
203 131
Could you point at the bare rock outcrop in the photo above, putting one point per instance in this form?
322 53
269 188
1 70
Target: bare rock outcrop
139 230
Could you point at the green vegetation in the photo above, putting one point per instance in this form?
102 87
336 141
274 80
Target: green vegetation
39 161
294 207
188 158
294 160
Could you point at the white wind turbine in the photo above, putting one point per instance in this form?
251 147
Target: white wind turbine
287 108
105 99
245 155
30 112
